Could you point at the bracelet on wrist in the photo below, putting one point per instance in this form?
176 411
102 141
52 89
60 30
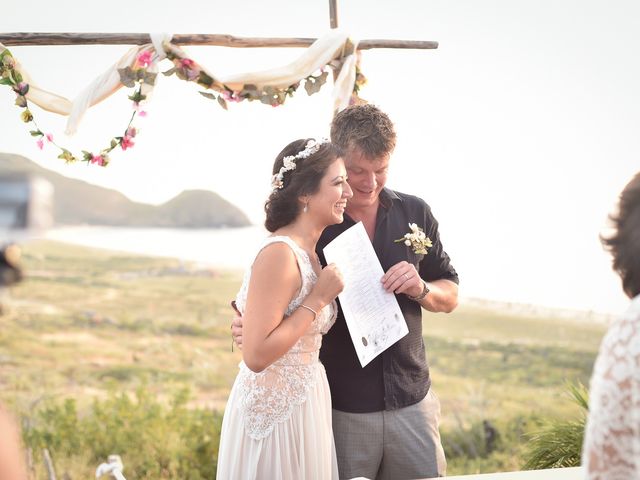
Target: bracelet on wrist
315 314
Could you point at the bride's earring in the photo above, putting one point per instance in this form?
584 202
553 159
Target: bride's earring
306 207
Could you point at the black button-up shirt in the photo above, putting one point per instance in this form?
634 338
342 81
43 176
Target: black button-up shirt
399 376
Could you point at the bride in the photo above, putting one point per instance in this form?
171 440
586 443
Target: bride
277 423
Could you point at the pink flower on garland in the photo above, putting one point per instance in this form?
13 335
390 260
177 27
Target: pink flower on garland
186 63
189 68
40 144
192 74
126 142
98 159
136 107
49 137
144 59
231 97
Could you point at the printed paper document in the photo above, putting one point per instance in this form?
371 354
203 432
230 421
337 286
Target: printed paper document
373 315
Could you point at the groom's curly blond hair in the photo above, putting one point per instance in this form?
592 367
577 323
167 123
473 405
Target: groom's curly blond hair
366 128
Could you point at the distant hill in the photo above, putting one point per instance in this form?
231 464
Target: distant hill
77 202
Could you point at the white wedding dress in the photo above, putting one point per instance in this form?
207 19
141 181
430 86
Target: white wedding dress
277 423
611 449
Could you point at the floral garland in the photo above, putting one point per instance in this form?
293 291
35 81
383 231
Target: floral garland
134 77
187 69
137 76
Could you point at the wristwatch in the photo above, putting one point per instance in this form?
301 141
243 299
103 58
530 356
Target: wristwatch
425 290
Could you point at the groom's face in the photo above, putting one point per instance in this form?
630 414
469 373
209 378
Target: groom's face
367 177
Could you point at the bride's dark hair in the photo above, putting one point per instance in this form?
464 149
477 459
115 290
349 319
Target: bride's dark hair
283 206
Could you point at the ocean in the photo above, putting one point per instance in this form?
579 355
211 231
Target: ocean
234 248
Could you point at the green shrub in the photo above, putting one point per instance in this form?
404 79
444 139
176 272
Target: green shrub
155 440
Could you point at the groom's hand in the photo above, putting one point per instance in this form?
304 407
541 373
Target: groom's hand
403 278
236 327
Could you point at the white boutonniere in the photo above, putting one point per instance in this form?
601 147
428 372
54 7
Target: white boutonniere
416 239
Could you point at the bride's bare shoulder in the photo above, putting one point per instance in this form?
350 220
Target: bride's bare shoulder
276 258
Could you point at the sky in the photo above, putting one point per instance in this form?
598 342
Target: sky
520 130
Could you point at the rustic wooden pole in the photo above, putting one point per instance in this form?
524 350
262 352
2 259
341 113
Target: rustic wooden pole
333 13
221 40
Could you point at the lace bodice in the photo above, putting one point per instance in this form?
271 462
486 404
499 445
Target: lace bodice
612 439
269 396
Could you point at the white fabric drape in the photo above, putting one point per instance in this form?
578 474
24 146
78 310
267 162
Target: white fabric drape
327 48
109 82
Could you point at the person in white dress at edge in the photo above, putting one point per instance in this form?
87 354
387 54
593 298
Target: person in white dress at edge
277 423
611 449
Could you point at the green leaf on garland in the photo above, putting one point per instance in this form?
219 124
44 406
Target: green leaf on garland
127 77
180 72
314 84
208 95
150 78
6 81
12 77
137 96
114 143
250 89
205 80
322 78
169 72
86 156
21 101
67 156
222 102
267 99
36 133
311 86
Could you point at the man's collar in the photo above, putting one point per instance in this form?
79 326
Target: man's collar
387 197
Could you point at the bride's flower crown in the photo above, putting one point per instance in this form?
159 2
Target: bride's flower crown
289 162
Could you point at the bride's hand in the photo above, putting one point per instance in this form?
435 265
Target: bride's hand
330 283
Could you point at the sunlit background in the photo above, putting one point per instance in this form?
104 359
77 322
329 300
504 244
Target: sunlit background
519 131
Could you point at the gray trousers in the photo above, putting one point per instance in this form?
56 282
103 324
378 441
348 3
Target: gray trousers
395 444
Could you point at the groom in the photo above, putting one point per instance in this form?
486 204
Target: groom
385 415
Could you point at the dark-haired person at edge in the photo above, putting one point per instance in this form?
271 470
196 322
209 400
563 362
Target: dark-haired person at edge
385 415
611 448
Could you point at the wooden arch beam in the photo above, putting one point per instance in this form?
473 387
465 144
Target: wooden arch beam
220 40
